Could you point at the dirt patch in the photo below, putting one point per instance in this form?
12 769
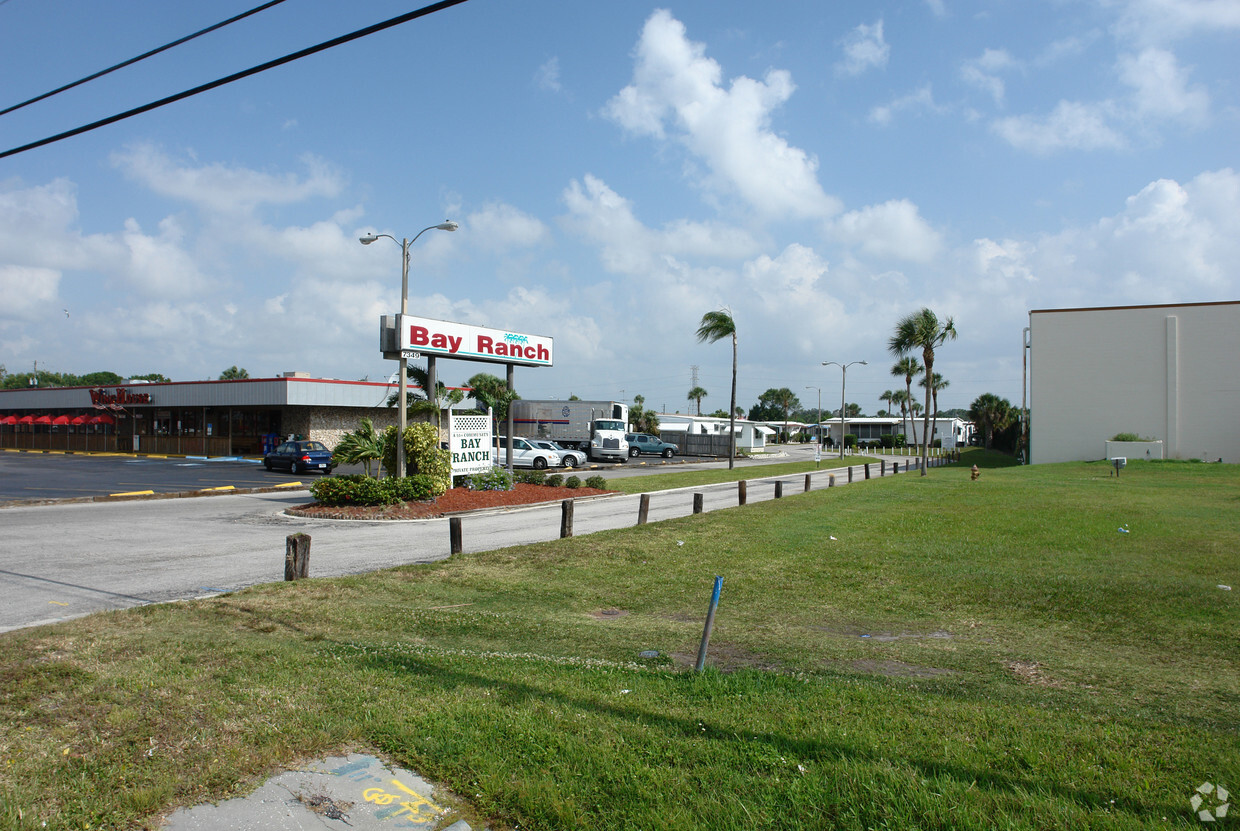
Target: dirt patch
897 669
457 500
1031 673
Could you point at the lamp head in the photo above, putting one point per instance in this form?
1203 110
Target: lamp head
447 225
367 239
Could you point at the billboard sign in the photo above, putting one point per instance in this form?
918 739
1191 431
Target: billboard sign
472 343
471 444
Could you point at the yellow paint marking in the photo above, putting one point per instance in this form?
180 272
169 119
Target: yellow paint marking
222 488
289 485
133 493
57 603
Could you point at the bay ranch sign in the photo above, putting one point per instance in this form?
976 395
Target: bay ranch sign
471 343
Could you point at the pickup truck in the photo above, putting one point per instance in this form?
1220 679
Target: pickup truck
645 443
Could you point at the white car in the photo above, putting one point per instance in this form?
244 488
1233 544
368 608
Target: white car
525 454
571 458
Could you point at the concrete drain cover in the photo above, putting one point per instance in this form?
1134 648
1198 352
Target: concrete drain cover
345 792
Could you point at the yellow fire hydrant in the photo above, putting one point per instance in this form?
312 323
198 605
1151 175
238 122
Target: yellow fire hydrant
975 474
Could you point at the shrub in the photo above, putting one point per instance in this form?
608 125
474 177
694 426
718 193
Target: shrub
597 482
423 455
850 440
1129 437
495 479
362 490
572 482
530 477
555 480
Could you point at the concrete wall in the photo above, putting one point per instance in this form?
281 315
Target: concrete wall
1167 372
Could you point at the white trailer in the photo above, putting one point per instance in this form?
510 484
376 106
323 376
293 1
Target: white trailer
595 427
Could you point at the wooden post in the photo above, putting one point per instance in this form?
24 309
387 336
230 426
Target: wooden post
566 518
882 468
455 539
807 483
867 470
779 490
643 509
741 492
850 474
296 556
699 502
830 480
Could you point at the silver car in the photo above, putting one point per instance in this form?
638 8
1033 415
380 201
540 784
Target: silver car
572 458
525 454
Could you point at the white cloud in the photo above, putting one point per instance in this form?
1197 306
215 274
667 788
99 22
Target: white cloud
937 8
1072 125
1160 87
677 92
28 292
158 265
892 230
1160 21
223 189
547 76
864 49
983 72
921 100
500 227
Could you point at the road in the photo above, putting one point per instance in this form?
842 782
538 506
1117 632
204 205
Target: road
61 561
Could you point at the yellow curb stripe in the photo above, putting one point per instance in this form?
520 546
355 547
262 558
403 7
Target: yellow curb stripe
290 485
133 493
222 488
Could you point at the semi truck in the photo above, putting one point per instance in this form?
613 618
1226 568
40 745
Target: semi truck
594 427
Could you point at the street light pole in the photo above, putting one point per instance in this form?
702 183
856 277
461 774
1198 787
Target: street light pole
843 382
404 244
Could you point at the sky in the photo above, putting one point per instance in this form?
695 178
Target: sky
617 170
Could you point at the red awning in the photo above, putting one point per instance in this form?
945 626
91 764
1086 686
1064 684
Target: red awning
9 420
80 419
26 419
43 419
103 419
60 419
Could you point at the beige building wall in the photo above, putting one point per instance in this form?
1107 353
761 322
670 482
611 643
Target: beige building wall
1170 373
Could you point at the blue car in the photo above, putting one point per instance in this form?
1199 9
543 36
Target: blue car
300 457
645 443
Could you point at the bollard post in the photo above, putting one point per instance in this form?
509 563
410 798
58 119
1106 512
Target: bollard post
867 470
296 556
850 474
643 509
710 624
742 492
779 490
807 483
566 518
698 503
830 480
455 539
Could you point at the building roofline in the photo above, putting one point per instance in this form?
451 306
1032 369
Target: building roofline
1151 306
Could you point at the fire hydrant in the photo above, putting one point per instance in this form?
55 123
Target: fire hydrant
975 474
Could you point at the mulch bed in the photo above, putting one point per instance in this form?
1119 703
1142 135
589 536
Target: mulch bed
454 501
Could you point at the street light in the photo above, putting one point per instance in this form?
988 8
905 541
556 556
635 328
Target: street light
818 430
404 244
843 381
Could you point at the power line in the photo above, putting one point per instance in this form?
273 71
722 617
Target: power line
141 57
360 33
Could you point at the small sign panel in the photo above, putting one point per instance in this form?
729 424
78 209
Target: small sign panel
470 443
472 343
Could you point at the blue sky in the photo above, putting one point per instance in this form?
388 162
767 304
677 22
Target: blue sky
617 170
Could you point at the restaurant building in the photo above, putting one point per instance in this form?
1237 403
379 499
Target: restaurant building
208 418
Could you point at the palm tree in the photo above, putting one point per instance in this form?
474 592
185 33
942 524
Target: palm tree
939 383
909 368
716 326
990 413
492 393
899 398
886 398
922 330
697 394
363 446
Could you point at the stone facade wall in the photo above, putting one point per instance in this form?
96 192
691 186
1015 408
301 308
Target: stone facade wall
329 424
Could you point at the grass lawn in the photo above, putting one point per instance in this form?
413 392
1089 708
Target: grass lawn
906 653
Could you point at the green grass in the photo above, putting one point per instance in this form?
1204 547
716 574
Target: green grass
743 470
963 655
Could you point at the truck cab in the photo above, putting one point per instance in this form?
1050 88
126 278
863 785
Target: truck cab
607 440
